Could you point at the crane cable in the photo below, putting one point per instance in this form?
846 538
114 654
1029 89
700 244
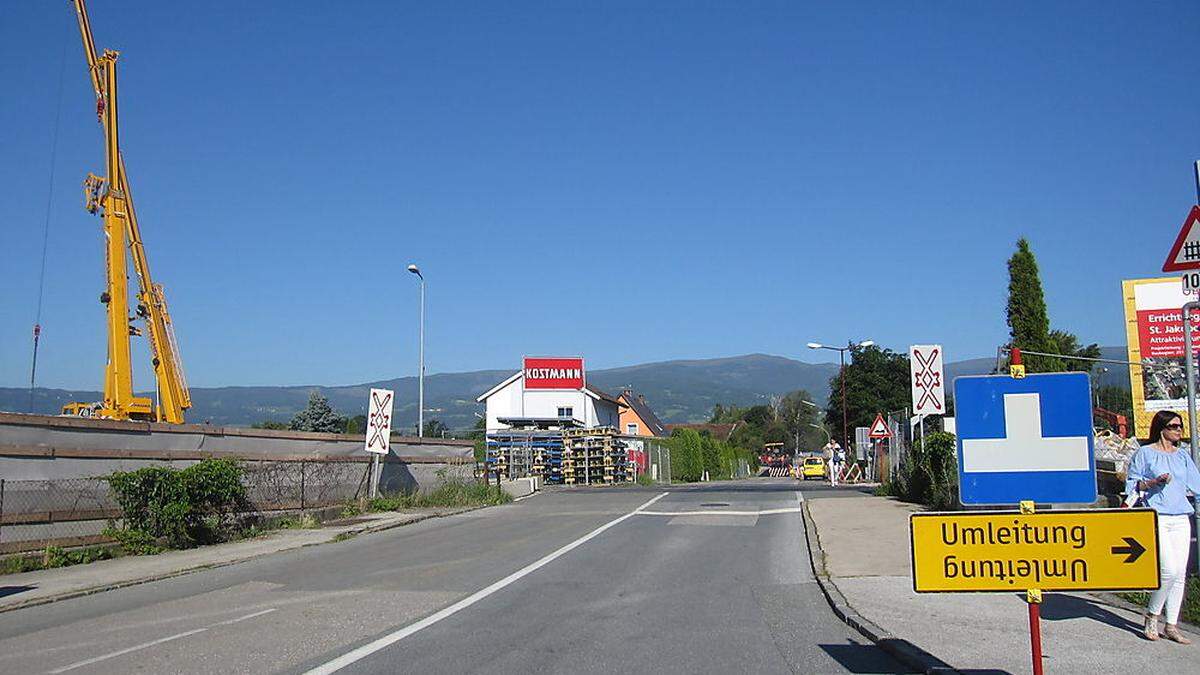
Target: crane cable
37 322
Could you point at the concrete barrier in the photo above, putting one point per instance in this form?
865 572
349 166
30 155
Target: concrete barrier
41 447
521 487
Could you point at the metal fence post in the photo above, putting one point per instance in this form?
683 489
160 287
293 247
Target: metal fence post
1 509
302 485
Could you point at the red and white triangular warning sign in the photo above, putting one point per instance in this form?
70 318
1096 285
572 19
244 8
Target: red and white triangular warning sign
1185 254
879 428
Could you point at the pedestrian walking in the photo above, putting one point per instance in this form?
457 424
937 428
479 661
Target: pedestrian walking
1164 471
835 464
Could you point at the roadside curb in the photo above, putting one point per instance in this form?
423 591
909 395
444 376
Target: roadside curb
93 590
902 650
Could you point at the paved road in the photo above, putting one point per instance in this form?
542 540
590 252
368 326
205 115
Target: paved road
704 579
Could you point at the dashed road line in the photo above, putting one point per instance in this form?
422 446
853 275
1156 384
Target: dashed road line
159 641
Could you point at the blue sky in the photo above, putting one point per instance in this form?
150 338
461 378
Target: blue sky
627 181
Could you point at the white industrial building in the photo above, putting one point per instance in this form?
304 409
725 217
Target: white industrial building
510 404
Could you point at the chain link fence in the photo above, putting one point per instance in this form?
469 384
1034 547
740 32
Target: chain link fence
35 514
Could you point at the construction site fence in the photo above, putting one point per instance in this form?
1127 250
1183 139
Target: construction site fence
35 514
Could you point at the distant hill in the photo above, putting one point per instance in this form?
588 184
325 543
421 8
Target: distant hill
678 391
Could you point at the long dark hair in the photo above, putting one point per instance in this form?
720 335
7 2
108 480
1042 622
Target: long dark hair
1161 419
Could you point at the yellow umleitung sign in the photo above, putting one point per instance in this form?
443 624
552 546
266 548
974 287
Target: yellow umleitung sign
1098 549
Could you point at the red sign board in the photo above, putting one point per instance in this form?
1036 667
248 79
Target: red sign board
553 373
1160 333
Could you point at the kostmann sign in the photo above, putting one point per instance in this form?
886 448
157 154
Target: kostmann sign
553 372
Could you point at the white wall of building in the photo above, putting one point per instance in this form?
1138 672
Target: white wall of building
513 401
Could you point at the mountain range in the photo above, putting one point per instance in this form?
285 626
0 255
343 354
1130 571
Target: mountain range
678 391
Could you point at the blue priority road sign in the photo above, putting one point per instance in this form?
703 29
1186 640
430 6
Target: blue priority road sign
1025 438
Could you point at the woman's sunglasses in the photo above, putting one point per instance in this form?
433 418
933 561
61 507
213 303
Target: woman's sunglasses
1174 427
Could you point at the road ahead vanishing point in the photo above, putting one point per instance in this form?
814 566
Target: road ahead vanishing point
711 579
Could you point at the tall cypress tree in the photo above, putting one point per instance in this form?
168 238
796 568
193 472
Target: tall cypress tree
1028 322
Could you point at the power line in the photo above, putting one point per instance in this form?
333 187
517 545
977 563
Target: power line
37 322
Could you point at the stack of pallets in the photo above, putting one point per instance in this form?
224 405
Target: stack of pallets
515 453
594 457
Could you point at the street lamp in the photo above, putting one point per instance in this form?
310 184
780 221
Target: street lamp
842 376
421 373
828 437
1097 390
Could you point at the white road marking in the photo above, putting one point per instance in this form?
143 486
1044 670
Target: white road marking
104 657
243 618
144 645
764 512
394 637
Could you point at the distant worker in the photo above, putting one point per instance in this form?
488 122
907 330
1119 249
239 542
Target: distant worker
1164 471
835 463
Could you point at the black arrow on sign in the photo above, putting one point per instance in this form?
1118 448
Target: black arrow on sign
1134 549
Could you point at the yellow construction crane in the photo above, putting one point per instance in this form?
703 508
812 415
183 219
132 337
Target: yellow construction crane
110 197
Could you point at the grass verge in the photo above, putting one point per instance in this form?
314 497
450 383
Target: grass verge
1191 601
450 492
54 556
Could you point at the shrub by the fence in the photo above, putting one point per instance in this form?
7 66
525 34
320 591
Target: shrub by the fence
692 454
930 475
451 490
181 507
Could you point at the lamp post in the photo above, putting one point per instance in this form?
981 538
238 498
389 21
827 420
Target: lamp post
828 437
842 376
421 373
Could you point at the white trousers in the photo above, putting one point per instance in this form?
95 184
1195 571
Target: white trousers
835 468
1174 540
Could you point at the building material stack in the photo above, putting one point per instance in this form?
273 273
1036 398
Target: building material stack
594 457
527 448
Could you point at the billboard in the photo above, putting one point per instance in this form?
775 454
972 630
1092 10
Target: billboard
1154 334
553 372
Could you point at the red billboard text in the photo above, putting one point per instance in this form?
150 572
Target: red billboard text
553 373
1160 333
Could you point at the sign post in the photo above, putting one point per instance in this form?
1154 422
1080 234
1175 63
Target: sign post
1184 256
378 438
1024 439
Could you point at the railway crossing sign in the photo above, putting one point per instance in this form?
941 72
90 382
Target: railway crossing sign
1025 438
1185 252
927 380
1006 551
379 421
879 428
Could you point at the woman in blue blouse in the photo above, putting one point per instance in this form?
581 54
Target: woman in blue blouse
1165 472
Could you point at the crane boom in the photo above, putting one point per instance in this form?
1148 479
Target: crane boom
111 197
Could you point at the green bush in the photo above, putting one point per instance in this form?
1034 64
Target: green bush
687 455
182 508
692 454
710 451
645 479
930 476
